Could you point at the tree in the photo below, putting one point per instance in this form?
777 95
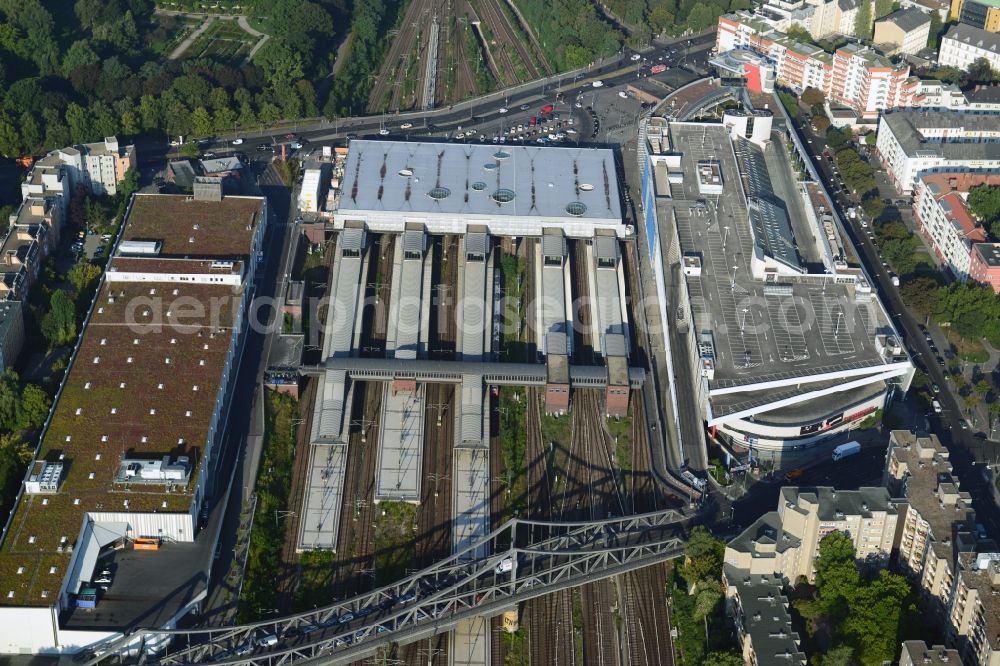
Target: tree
874 622
820 122
14 456
871 138
841 655
35 404
279 62
984 202
812 96
919 294
83 275
982 388
882 8
836 574
837 138
10 139
79 121
979 71
201 122
703 556
722 659
799 34
706 599
59 324
864 20
149 112
79 55
994 413
873 207
10 400
935 31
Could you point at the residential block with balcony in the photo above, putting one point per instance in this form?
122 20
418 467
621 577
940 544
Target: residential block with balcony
944 220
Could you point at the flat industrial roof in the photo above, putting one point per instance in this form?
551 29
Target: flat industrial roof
143 385
192 228
98 420
760 332
477 179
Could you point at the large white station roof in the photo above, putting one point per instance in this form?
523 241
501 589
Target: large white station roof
480 180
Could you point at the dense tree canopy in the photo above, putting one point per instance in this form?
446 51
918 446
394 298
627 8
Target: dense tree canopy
984 202
868 616
76 72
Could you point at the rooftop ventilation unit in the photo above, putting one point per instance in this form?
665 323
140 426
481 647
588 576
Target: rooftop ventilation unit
143 248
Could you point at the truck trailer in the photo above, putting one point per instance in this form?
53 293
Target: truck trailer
844 450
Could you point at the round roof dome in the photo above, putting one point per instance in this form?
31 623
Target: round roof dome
503 195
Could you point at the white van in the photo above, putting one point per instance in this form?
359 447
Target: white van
937 406
506 565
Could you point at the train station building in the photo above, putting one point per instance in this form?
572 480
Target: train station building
412 192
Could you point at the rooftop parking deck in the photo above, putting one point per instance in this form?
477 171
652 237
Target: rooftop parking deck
791 326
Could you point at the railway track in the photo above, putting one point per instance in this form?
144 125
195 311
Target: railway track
378 285
584 344
535 46
353 569
397 59
433 538
465 84
495 21
288 571
444 286
501 25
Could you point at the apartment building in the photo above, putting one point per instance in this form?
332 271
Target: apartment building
964 44
759 611
984 266
786 541
936 516
782 546
975 609
984 14
944 219
911 143
22 252
99 167
940 546
903 31
854 76
916 653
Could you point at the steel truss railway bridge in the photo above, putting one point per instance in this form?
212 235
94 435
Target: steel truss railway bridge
545 557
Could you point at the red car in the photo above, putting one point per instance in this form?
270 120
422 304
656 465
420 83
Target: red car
533 121
548 108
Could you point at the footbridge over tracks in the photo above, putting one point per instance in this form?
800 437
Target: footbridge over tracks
424 370
529 559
